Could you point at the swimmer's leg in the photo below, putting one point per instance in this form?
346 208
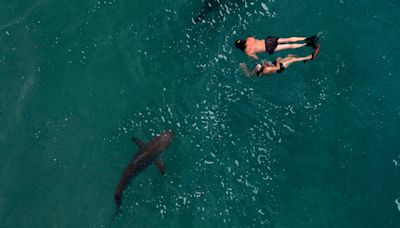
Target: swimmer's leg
315 53
291 40
287 61
288 46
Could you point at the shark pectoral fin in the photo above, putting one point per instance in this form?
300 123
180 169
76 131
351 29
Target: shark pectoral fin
160 164
138 142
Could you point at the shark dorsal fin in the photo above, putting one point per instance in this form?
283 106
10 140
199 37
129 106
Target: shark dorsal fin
138 142
160 164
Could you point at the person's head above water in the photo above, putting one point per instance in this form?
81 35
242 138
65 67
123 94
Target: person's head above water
258 69
241 44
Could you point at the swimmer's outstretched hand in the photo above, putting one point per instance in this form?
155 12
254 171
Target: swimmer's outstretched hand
245 70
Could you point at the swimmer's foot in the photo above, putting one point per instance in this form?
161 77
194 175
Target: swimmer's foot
312 41
315 51
304 61
314 54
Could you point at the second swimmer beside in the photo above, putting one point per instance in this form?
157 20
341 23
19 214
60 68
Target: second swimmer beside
278 66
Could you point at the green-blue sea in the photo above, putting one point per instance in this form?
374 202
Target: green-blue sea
316 146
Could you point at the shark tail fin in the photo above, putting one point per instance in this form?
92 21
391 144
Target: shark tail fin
116 213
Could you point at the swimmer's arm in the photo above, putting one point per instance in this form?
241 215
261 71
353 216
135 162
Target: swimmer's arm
252 55
276 67
266 63
278 62
246 70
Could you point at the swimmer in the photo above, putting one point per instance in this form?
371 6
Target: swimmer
251 46
278 66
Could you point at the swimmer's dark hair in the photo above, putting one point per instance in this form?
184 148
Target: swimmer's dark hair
241 44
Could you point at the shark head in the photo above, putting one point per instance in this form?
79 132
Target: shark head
165 139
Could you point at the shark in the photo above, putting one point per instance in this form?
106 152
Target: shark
210 6
149 153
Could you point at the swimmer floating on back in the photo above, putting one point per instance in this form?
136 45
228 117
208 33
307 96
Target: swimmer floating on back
251 46
278 66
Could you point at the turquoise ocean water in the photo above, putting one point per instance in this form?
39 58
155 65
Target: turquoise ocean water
317 146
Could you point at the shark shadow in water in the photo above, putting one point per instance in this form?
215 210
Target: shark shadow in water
210 6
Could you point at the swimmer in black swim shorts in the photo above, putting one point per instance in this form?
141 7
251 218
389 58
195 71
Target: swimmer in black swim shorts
251 46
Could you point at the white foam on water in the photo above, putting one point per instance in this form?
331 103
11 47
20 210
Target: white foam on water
289 128
397 202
